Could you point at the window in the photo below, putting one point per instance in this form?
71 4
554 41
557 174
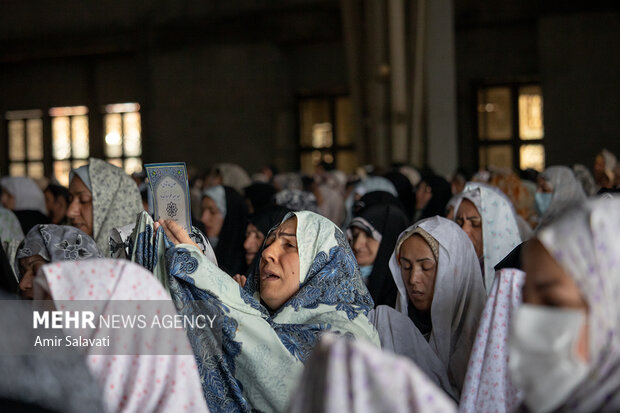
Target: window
510 127
123 136
326 133
70 142
28 146
25 149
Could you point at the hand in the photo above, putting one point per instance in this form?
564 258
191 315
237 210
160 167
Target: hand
175 233
241 279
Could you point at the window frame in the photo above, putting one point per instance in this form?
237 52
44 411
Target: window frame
14 115
95 148
335 148
71 116
515 141
108 110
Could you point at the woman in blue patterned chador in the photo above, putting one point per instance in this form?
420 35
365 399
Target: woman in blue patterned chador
307 283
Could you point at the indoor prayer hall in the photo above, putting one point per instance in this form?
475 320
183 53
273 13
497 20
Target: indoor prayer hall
310 206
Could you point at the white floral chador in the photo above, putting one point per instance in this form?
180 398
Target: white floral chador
458 300
500 230
116 201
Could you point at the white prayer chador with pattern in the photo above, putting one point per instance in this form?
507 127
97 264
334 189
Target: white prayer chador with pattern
585 241
567 191
27 194
116 200
500 230
160 381
56 243
488 386
263 352
350 376
9 226
458 301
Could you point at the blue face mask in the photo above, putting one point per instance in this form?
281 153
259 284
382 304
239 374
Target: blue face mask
365 270
542 201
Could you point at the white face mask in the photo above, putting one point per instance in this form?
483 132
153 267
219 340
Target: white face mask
543 359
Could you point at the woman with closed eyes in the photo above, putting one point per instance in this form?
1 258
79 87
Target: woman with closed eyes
440 299
564 343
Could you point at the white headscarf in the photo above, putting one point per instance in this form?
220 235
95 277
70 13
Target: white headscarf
610 163
500 230
412 174
365 186
453 202
352 376
332 206
218 195
567 191
82 172
28 196
234 176
586 243
458 301
585 178
162 379
9 226
375 183
116 200
488 386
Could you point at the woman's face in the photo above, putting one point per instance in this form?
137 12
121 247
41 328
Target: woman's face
279 265
56 207
423 194
600 176
253 241
80 210
468 218
211 217
49 202
7 200
364 246
457 185
419 269
28 268
543 186
547 284
599 165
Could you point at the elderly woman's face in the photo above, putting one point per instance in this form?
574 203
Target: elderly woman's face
80 210
279 265
253 241
212 217
547 284
418 268
364 246
28 268
469 219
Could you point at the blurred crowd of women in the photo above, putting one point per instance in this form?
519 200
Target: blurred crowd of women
385 290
